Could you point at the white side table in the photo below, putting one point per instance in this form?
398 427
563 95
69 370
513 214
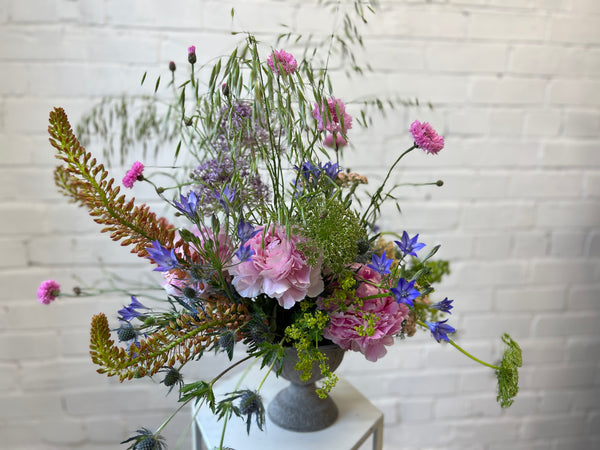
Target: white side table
358 421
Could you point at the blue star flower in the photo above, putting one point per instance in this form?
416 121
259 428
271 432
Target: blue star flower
308 170
130 312
188 204
225 198
409 246
165 258
244 253
405 292
380 264
246 230
444 306
331 169
440 330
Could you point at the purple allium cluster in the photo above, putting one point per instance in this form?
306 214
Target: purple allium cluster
215 174
238 124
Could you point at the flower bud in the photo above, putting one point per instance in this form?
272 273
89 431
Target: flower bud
172 66
192 55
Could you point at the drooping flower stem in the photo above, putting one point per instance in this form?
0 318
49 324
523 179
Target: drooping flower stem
376 198
464 352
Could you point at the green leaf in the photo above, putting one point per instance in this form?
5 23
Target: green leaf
508 373
143 78
157 84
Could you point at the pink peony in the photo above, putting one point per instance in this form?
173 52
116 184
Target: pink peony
386 316
133 174
339 123
426 137
48 291
277 268
282 60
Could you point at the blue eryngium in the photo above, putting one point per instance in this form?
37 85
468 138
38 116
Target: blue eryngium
405 292
440 330
408 245
188 205
165 258
380 264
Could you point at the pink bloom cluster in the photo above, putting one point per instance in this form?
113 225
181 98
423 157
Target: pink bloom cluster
339 124
48 291
386 316
426 137
132 174
284 60
277 268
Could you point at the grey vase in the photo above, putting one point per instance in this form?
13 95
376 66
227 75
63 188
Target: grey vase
298 407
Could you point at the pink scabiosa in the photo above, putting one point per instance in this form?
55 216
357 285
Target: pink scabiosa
282 62
335 140
192 54
277 268
368 325
48 291
426 137
134 174
332 117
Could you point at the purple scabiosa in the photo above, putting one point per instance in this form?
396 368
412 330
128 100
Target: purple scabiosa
282 62
405 292
426 137
408 245
380 264
192 55
134 174
188 205
440 330
444 306
48 291
164 257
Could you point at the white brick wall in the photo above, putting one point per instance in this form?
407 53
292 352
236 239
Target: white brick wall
516 93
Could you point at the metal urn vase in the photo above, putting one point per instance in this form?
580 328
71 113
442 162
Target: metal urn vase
298 407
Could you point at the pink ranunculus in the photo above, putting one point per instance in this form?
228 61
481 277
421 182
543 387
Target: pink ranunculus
277 268
133 174
282 60
386 313
48 291
426 137
335 110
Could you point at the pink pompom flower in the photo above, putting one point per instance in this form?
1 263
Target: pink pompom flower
370 325
277 268
282 61
332 117
133 174
426 137
48 291
338 142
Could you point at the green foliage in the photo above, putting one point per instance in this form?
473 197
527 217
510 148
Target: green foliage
508 372
335 229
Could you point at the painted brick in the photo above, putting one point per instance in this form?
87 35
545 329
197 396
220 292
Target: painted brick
529 244
471 58
495 216
530 299
571 153
543 123
553 426
507 26
574 30
569 324
509 91
584 298
575 92
582 124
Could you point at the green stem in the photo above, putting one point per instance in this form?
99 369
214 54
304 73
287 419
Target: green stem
464 352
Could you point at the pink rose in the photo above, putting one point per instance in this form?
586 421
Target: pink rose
277 268
384 315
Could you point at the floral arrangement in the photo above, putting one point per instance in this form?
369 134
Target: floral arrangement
273 241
